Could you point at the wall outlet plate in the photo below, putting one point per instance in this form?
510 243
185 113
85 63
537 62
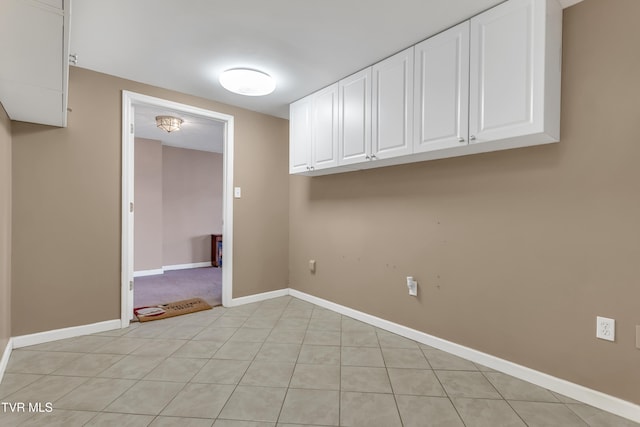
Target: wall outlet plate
605 328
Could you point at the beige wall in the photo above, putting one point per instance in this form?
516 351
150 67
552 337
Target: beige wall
191 203
5 229
66 206
515 252
147 193
178 197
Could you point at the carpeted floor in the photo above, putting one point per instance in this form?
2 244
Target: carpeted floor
177 285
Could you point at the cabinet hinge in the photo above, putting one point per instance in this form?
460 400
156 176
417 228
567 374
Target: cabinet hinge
131 207
131 131
130 285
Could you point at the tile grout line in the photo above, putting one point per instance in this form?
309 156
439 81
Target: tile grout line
435 374
248 366
386 369
294 368
189 381
139 380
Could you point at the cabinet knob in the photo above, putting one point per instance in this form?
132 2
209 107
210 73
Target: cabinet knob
373 157
472 138
313 168
368 157
460 139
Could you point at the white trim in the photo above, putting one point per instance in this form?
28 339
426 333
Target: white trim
566 3
143 273
186 266
129 100
589 396
227 211
60 334
5 358
126 271
258 297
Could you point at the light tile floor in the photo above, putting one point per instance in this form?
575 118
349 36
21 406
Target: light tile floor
281 362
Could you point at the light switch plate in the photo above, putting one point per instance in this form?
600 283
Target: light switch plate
237 192
638 336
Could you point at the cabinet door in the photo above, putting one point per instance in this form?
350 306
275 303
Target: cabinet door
354 119
33 72
441 102
392 97
325 128
507 71
300 135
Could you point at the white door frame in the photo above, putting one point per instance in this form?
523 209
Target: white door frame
129 100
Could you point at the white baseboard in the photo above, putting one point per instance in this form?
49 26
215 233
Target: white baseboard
59 334
589 396
143 273
259 297
185 266
5 358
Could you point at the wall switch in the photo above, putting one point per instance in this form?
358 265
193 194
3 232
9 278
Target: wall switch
312 265
638 336
237 192
413 286
605 328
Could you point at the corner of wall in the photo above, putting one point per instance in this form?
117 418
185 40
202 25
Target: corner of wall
5 233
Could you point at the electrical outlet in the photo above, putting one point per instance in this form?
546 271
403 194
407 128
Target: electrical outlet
638 336
605 328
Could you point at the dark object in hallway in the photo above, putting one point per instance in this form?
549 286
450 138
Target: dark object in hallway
216 250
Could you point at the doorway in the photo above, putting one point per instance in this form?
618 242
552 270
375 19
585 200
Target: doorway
130 102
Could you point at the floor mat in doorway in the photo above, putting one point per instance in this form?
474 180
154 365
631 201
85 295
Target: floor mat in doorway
162 311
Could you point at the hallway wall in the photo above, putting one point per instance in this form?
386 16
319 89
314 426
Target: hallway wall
67 205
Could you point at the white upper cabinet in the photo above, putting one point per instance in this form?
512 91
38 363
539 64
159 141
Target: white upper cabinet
324 128
487 84
300 136
441 104
392 114
515 72
313 131
34 39
354 121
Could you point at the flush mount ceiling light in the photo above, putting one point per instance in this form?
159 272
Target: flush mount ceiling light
247 82
168 123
